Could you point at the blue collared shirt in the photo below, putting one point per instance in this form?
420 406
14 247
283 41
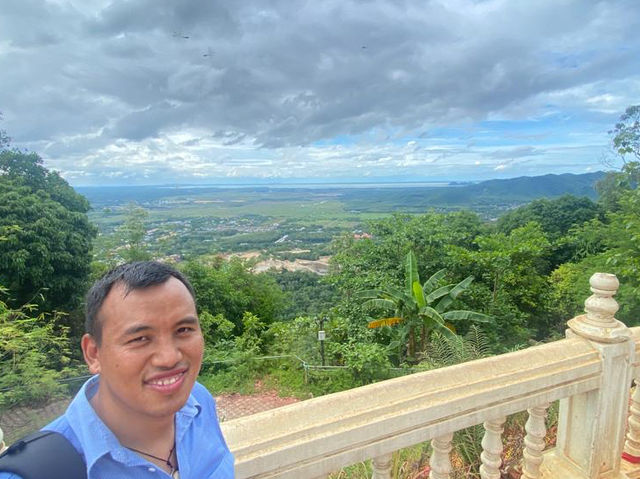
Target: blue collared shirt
201 449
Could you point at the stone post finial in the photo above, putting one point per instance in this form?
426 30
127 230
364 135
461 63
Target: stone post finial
599 324
601 307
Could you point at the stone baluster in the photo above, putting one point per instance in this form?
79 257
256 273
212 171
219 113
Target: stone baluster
491 456
632 445
382 467
534 441
440 462
591 425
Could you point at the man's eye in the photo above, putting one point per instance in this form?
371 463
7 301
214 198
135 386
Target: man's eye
138 339
185 330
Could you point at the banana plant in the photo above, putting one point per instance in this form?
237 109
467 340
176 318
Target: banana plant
420 308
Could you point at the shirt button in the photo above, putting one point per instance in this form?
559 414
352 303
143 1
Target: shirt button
152 469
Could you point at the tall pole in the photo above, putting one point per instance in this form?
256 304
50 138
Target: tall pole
321 336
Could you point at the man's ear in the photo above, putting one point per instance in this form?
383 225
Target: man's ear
91 354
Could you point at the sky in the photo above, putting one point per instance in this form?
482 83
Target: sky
209 91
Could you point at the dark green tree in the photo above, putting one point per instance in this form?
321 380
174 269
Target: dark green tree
229 288
511 283
555 217
46 252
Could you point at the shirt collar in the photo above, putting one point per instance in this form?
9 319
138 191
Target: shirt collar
96 438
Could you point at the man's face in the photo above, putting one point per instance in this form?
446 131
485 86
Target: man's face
150 353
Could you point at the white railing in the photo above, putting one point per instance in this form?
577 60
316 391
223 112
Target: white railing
590 372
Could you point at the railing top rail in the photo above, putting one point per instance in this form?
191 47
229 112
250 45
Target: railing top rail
331 431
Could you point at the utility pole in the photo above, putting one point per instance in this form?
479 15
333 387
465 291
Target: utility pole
321 337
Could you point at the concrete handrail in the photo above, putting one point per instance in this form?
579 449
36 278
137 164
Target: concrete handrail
321 435
590 372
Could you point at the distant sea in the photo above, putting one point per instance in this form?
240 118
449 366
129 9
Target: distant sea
431 184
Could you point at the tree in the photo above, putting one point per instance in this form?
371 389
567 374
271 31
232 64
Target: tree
4 139
228 288
555 217
625 143
420 308
626 133
511 280
359 264
47 235
132 234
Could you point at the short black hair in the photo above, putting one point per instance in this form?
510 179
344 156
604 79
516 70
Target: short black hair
136 275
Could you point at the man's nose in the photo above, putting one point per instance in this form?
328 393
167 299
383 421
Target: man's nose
167 354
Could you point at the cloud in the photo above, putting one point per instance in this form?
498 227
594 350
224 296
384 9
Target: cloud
262 79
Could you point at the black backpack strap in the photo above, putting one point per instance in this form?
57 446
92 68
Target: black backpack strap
43 455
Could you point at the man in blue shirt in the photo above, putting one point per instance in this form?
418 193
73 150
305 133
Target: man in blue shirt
143 415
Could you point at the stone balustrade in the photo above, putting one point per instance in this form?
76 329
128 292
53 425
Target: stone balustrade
590 372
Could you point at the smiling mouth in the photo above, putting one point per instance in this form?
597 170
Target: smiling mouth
168 383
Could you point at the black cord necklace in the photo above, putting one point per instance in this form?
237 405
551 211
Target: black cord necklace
167 461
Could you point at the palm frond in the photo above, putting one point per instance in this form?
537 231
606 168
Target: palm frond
437 322
384 322
466 316
461 286
379 303
476 343
439 293
435 278
411 270
446 301
418 294
368 294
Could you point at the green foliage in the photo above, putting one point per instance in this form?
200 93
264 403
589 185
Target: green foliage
33 354
447 350
420 309
299 338
215 329
556 218
625 143
4 138
251 340
367 362
366 263
46 234
229 288
626 133
306 293
619 253
512 283
616 184
132 234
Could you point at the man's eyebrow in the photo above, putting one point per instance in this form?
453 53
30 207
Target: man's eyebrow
187 320
137 328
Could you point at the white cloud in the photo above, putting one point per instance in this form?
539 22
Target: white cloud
171 89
